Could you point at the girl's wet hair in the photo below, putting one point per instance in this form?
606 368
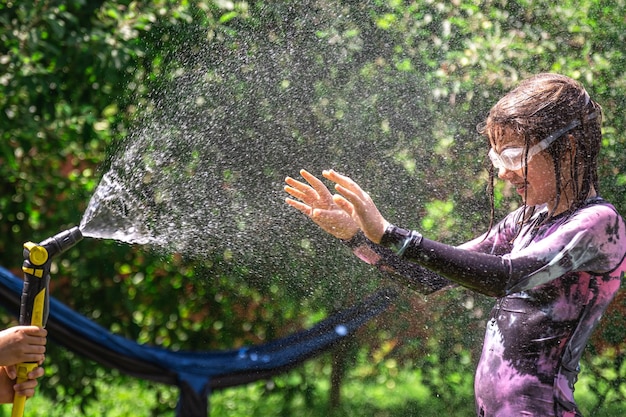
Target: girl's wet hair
540 106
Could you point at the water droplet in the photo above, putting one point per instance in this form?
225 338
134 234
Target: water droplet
341 330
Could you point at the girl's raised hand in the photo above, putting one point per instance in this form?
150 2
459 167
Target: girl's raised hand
358 204
315 200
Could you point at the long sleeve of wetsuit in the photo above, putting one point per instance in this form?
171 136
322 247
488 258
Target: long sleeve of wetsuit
409 274
587 240
481 272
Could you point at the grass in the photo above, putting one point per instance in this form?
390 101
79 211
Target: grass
386 391
129 398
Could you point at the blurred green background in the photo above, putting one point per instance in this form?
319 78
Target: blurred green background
389 91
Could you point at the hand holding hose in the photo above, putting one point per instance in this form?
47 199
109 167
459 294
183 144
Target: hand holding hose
22 344
9 388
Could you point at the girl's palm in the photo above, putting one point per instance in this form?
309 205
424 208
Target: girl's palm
315 200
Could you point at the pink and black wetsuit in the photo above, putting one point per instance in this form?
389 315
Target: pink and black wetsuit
552 281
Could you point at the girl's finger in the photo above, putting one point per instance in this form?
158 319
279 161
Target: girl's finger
334 176
343 180
344 204
316 183
300 186
304 208
294 192
349 195
315 190
302 191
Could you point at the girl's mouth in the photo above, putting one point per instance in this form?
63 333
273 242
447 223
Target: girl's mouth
520 188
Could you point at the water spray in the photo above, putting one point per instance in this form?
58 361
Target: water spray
34 306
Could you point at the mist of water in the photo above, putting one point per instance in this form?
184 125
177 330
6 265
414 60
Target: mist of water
202 170
114 213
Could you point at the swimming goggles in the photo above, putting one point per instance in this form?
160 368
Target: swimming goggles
512 159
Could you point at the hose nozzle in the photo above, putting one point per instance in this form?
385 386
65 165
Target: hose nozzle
39 254
36 267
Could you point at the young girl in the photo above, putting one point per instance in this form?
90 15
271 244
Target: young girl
553 265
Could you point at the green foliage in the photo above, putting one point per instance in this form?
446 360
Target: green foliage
403 82
382 389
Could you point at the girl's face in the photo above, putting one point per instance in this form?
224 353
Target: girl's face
539 185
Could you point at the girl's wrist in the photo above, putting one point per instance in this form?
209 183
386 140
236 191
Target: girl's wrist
356 240
399 239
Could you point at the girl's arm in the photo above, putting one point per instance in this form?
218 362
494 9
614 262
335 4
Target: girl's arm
590 240
385 257
406 273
